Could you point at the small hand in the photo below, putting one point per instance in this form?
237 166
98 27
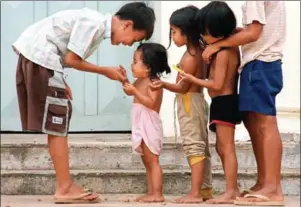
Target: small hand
186 77
68 91
123 72
129 89
209 51
116 74
156 85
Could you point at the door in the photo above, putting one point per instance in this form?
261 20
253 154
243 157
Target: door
99 104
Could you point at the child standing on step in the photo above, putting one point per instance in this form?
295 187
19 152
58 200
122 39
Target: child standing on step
68 38
217 21
150 61
192 106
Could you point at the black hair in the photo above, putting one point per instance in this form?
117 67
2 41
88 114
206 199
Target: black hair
143 17
155 57
216 19
184 19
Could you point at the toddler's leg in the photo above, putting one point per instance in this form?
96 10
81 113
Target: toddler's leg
149 180
152 163
226 150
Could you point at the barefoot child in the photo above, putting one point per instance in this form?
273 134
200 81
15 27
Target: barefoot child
150 61
192 107
262 40
68 38
222 88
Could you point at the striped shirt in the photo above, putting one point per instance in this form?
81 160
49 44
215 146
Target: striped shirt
269 47
47 41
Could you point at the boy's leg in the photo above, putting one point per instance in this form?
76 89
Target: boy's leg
272 153
225 148
34 88
152 163
253 131
262 82
58 149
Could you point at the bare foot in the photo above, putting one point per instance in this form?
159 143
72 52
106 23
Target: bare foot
152 199
225 198
74 190
142 196
189 198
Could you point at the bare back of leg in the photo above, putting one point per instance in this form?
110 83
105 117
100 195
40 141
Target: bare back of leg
151 162
149 180
253 130
225 148
271 157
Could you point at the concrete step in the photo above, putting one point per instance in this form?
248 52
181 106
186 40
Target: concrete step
112 200
37 182
113 151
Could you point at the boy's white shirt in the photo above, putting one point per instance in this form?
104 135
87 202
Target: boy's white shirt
269 47
47 41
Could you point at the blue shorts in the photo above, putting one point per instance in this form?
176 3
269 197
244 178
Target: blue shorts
260 82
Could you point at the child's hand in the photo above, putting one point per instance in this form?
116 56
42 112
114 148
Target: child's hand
156 85
186 77
129 89
123 72
209 51
68 91
116 74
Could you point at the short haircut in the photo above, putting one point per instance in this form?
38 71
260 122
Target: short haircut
142 16
216 19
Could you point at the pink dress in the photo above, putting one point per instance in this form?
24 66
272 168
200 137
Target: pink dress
146 126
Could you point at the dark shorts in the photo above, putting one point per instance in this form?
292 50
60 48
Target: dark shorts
43 104
224 110
260 82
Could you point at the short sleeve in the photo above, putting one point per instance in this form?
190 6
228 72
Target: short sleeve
83 33
254 11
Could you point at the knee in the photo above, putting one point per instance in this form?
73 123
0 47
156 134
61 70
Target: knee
151 162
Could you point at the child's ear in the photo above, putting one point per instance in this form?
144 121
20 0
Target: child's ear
128 23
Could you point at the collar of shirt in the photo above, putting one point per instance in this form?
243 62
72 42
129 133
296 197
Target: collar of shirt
108 18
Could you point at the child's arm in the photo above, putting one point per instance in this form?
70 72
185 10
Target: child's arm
189 66
247 35
74 61
146 100
255 20
219 74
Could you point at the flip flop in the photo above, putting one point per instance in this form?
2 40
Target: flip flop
265 201
75 199
246 191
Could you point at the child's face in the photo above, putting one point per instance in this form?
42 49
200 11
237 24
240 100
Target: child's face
208 39
177 36
139 69
126 35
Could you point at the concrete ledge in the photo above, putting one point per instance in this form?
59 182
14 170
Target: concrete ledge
31 182
30 152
